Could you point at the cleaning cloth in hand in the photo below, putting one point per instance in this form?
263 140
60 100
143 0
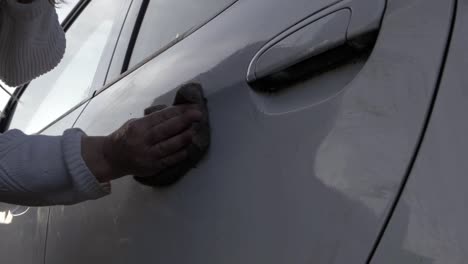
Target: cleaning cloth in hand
191 93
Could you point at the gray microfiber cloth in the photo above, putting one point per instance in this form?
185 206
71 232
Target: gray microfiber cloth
191 93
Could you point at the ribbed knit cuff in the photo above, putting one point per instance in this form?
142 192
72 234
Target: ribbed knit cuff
84 181
27 11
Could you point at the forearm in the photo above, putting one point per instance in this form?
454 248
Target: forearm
42 170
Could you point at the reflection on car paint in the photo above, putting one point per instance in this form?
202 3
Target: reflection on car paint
9 212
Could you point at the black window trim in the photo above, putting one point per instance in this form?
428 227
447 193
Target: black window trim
134 36
131 45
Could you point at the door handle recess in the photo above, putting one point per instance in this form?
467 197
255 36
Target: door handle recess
320 41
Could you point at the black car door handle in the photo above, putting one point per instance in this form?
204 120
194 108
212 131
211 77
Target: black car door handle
316 43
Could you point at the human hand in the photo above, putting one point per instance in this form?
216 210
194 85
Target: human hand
142 146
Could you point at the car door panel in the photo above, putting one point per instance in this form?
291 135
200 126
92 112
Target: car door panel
23 230
429 223
23 234
303 175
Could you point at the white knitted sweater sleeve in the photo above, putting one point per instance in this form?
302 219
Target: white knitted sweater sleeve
46 170
38 170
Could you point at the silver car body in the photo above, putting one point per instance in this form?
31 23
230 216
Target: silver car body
362 163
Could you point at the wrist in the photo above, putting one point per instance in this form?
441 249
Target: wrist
93 152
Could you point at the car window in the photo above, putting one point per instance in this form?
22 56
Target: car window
53 94
64 8
165 21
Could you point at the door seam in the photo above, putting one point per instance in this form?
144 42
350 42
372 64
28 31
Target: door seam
420 140
46 237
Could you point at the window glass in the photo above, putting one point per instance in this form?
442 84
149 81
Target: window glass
165 20
53 94
64 8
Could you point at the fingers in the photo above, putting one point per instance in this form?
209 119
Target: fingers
154 108
161 116
154 142
171 160
172 127
168 147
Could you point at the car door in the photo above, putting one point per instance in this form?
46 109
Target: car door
429 223
58 97
300 170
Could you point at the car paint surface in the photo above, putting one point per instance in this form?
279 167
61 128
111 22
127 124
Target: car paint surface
23 239
24 232
430 219
303 176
